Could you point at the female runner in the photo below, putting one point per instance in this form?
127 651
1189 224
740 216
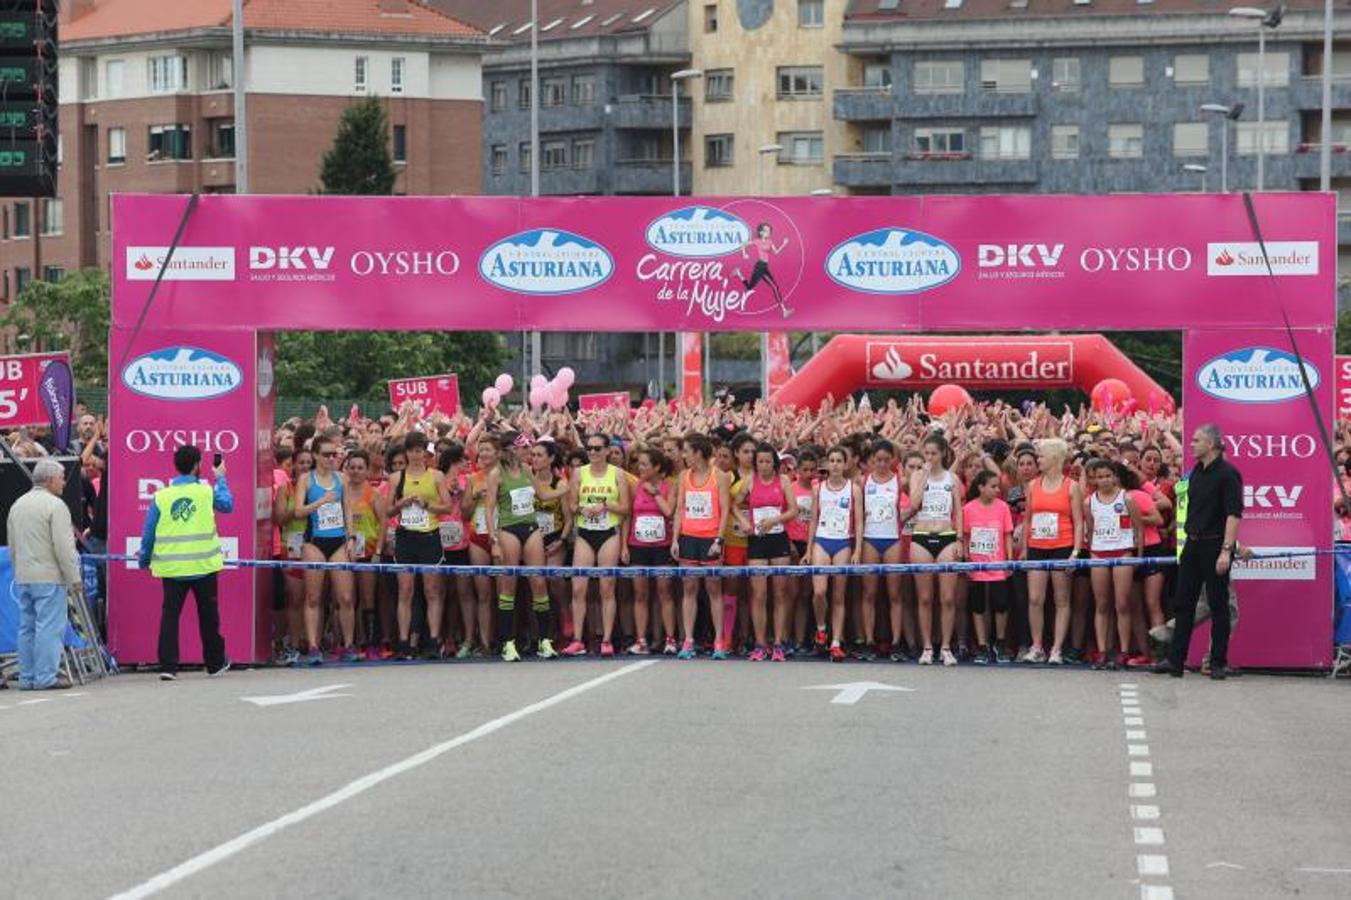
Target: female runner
882 501
1115 531
764 509
937 538
328 538
649 544
510 499
419 497
600 497
836 540
1052 530
703 505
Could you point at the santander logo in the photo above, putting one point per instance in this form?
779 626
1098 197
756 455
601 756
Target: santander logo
143 263
1224 259
892 367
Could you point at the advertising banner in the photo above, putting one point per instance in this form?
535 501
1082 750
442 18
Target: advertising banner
691 367
1343 382
20 390
778 361
603 401
730 264
1248 383
431 393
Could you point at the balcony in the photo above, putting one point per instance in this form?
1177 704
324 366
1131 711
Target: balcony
1307 92
962 168
984 105
862 169
647 176
864 104
218 172
1307 160
647 111
1343 227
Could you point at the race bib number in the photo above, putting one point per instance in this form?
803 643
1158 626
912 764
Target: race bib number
594 522
764 514
984 541
834 522
481 520
649 529
452 534
804 507
1106 529
329 517
389 539
698 504
295 542
544 521
359 545
414 517
1045 526
882 511
523 501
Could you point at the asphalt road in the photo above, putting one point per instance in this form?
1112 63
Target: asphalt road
678 779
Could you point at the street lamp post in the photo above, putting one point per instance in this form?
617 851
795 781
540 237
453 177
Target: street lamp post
765 151
1265 19
1197 167
676 78
1325 146
532 355
1228 114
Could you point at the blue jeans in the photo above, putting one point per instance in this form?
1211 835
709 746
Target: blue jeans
42 627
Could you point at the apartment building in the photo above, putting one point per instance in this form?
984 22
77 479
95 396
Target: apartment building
147 105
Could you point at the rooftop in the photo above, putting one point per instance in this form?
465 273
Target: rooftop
509 20
955 10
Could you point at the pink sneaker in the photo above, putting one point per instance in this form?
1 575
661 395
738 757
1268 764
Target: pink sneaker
778 654
639 648
576 648
759 654
607 648
671 648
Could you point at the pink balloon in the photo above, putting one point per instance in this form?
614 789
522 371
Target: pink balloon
491 397
504 383
1110 394
946 397
566 377
558 397
538 381
539 396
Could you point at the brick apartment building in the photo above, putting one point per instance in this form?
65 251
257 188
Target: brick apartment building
147 105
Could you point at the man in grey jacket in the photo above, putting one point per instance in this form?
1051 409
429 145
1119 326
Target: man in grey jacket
46 566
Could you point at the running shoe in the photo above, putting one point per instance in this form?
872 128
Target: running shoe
759 654
820 640
638 648
576 648
430 649
1035 656
607 648
865 652
314 658
163 676
898 655
291 657
1055 659
333 655
720 653
997 656
372 653
1074 655
687 651
927 657
670 648
1139 662
778 654
404 652
1120 661
837 654
963 652
546 649
884 648
466 650
982 656
386 651
948 658
351 655
1098 661
509 652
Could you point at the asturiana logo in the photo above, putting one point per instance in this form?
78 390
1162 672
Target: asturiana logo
893 261
698 232
1255 375
182 373
546 261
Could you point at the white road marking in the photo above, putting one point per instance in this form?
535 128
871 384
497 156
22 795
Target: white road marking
1131 711
35 700
1144 812
1133 720
232 847
1143 789
1223 865
1149 837
1315 870
1142 769
1137 749
319 693
854 691
1150 864
1155 892
1136 736
1128 686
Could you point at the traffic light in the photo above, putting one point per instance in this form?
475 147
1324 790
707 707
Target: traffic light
28 110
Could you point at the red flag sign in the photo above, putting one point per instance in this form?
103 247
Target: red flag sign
433 393
20 403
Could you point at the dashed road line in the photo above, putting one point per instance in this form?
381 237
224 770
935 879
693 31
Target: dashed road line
1150 862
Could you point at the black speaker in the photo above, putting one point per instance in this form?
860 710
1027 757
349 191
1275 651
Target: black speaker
14 484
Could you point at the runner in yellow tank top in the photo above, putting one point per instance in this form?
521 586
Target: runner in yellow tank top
600 497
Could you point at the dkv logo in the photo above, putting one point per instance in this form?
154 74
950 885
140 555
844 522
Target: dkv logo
697 232
182 373
893 261
546 261
1255 375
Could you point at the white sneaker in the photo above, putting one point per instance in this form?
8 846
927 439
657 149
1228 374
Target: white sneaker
1036 655
927 657
1055 658
948 658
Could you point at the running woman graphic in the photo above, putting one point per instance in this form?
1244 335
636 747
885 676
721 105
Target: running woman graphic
764 247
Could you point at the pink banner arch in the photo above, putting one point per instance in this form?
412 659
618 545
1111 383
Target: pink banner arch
987 363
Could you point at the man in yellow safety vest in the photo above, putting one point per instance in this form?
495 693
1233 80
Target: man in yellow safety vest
180 546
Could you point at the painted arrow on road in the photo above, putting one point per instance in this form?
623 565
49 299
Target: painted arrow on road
319 693
854 691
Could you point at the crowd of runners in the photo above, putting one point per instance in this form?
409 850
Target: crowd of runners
753 485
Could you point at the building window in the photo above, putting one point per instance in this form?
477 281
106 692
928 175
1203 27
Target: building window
799 81
584 90
718 151
1126 71
4 285
710 18
1006 75
877 139
361 69
525 156
1191 68
167 74
801 148
498 96
718 85
53 216
22 276
53 274
1191 139
117 146
499 156
397 66
523 94
878 74
1277 138
553 92
940 76
553 155
114 78
1125 141
583 154
89 78
220 72
811 13
170 142
4 223
1006 142
1278 69
401 143
1065 141
23 222
929 141
222 133
1065 73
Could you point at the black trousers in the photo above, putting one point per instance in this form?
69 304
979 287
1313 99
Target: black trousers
1196 569
208 621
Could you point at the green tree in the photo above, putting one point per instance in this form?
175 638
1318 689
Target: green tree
359 162
1344 331
70 314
